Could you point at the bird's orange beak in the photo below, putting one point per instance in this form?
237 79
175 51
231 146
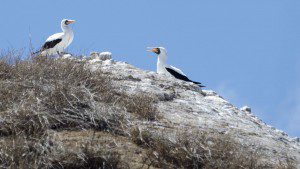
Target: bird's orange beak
70 21
150 49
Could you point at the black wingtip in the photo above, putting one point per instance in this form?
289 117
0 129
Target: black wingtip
199 84
196 82
182 77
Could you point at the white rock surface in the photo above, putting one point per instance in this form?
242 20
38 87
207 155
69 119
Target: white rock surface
101 56
183 104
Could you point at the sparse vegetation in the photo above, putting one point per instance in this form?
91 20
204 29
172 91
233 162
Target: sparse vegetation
62 93
41 96
194 149
141 105
23 152
89 157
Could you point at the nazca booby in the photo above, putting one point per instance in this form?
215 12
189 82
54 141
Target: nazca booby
163 68
57 43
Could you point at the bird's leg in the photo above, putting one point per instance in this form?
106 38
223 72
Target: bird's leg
60 54
63 52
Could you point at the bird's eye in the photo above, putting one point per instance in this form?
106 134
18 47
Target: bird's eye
66 22
158 51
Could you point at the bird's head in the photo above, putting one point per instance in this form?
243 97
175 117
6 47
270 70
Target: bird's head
160 51
157 50
66 22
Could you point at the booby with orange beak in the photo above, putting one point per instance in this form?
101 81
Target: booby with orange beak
57 43
163 68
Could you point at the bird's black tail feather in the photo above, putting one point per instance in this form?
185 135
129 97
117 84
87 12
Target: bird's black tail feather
198 83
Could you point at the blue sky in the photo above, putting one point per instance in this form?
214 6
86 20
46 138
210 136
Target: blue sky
248 51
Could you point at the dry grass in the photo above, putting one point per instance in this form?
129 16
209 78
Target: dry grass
141 105
23 122
66 93
63 91
40 96
194 149
89 157
22 152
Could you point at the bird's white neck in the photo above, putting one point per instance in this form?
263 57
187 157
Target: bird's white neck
161 62
66 29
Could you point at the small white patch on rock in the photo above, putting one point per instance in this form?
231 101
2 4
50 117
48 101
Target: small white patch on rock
101 56
94 55
108 62
105 55
246 109
67 56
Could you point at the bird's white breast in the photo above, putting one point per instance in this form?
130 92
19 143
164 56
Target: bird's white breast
161 68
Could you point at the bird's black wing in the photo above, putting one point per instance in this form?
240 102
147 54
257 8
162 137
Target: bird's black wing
178 75
181 76
50 44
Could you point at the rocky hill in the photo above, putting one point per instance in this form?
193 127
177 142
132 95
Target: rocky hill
94 112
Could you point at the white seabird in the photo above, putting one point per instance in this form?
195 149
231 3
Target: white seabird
163 68
57 43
